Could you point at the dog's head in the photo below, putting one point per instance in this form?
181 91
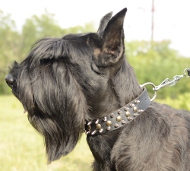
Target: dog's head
65 81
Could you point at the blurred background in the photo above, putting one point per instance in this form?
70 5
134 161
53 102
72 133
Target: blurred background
157 35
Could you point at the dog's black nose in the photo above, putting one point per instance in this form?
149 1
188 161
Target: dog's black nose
9 80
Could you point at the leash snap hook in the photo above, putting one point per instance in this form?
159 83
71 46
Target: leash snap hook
154 89
167 82
186 73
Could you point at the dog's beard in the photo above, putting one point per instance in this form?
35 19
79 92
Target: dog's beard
59 137
56 106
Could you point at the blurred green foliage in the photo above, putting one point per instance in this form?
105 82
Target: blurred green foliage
152 61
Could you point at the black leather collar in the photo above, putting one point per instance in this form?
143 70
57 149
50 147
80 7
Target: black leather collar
120 117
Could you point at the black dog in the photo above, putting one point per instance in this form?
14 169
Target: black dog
83 82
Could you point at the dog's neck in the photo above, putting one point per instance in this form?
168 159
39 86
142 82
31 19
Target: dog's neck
126 86
122 88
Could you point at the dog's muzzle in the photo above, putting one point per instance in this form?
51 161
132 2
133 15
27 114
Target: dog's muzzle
120 117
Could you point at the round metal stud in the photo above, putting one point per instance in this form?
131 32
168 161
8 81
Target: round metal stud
118 119
127 113
135 109
126 108
119 112
98 126
108 123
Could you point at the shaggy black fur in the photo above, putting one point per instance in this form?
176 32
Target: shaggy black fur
64 82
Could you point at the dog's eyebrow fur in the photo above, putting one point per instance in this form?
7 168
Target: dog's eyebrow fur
49 48
55 48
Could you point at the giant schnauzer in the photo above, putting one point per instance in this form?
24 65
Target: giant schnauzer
83 83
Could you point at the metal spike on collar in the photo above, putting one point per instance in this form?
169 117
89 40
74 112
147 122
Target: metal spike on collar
105 119
97 121
94 132
101 130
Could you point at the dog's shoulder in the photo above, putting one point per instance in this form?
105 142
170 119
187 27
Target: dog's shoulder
159 127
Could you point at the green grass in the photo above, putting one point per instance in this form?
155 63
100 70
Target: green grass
22 148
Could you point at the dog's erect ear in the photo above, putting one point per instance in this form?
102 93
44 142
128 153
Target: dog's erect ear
103 23
112 36
114 30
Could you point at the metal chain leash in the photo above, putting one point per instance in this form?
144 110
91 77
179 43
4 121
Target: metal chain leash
167 82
